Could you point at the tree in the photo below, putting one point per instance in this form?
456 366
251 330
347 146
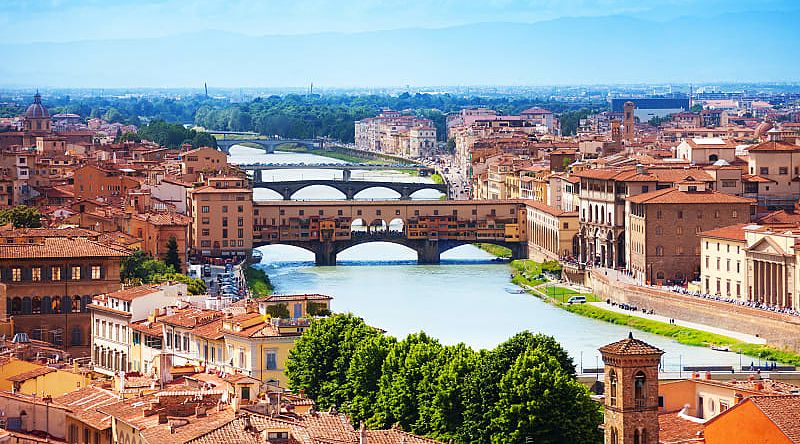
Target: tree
21 216
407 383
447 411
539 401
363 375
172 258
696 108
193 286
320 358
278 311
481 388
139 267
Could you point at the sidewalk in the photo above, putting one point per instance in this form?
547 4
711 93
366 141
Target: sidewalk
655 317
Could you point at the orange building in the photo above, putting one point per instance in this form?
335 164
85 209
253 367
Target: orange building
92 182
758 419
202 160
156 228
222 215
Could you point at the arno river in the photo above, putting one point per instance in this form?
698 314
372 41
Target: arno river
465 299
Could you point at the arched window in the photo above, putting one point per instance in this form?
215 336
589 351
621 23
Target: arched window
713 158
660 275
16 306
66 304
47 306
659 250
26 305
76 304
637 439
76 336
36 305
639 392
612 387
614 436
55 305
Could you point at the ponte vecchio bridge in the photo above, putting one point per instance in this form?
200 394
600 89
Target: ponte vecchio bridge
428 227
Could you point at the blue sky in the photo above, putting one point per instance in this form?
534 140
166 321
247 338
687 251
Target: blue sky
65 20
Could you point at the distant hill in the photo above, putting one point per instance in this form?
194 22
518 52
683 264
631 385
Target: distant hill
731 47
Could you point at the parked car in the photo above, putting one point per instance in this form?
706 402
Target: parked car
577 300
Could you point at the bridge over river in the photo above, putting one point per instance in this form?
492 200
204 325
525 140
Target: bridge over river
269 145
429 227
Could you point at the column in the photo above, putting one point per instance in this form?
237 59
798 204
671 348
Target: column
760 279
781 286
774 282
768 282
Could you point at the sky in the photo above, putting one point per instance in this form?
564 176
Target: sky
26 21
380 43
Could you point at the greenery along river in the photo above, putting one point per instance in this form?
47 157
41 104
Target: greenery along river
466 299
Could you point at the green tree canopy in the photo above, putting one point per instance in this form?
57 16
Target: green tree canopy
363 375
319 361
540 402
21 216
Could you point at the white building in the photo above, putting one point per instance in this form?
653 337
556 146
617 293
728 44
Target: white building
112 315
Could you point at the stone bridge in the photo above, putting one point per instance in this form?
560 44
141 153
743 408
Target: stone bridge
429 251
347 187
429 227
269 145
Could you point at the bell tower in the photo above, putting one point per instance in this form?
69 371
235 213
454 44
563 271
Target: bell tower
631 391
629 121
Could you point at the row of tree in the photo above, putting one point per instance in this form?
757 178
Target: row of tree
171 135
524 390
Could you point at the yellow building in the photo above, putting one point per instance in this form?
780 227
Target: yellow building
84 424
551 232
258 346
48 381
13 367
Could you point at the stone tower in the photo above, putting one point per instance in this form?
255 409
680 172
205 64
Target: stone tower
631 392
629 121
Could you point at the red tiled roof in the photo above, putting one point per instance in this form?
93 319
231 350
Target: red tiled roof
54 247
732 232
631 346
297 297
553 211
31 374
83 404
783 411
674 429
676 196
773 146
129 294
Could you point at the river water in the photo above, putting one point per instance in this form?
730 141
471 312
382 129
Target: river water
464 299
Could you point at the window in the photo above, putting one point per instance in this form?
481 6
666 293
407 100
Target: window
645 188
36 274
241 357
659 231
224 208
206 221
614 436
734 214
679 230
764 170
658 214
205 209
76 273
718 262
659 250
16 274
680 214
95 272
639 393
205 232
716 214
271 361
783 171
186 342
612 387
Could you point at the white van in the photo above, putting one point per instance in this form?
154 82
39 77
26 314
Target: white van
577 300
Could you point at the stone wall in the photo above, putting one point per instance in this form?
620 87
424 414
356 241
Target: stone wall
780 331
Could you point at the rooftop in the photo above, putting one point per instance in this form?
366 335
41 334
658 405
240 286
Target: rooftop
630 346
676 196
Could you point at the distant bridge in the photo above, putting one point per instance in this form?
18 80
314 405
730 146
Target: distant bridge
347 187
269 145
333 166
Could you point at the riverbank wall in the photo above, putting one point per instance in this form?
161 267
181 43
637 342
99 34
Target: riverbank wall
779 330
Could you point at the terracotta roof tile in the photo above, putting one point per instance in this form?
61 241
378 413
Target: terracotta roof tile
31 374
631 346
674 429
783 411
676 196
732 232
773 146
55 247
83 404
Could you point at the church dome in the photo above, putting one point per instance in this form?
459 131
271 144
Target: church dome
36 110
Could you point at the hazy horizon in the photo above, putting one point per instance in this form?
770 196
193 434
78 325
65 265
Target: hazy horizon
367 44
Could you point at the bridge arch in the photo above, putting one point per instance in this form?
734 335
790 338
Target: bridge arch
397 225
396 251
312 192
368 193
427 193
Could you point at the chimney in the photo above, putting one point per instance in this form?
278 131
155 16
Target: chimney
708 375
640 169
362 434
